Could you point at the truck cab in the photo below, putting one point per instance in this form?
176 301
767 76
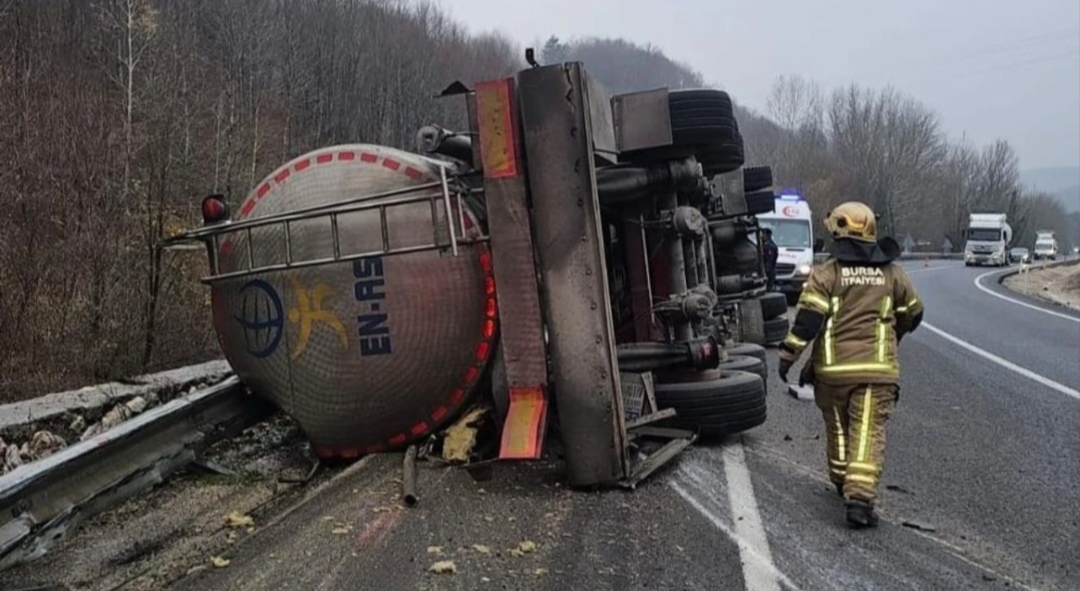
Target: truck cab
1046 246
988 236
793 233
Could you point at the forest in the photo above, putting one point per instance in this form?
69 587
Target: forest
118 116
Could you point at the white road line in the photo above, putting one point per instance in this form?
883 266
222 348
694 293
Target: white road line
978 284
759 571
759 574
1027 373
746 551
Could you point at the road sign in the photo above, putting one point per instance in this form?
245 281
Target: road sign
909 242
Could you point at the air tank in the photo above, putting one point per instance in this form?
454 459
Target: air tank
337 295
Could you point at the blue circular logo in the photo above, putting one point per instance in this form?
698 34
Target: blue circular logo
262 317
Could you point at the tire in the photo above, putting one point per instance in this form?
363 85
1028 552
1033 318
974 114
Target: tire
756 178
704 120
716 408
727 232
748 350
722 158
751 323
773 304
760 202
776 330
792 298
738 257
744 363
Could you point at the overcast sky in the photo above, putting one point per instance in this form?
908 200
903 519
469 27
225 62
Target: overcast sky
990 68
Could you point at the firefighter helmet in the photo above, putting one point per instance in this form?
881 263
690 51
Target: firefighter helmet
852 220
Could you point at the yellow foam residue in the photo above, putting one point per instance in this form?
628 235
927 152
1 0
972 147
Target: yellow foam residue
461 437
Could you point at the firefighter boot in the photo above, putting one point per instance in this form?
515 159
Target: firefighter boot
861 514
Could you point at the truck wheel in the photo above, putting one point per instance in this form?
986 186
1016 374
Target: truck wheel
747 350
756 178
740 256
751 322
744 363
705 120
722 158
760 202
776 330
773 304
731 404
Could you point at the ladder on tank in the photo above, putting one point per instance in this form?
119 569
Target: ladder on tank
436 193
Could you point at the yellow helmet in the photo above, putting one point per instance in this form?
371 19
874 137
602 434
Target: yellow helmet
852 220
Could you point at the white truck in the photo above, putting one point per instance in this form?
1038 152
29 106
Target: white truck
1046 246
793 233
988 236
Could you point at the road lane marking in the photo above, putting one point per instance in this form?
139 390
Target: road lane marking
759 570
745 549
1027 373
978 284
759 575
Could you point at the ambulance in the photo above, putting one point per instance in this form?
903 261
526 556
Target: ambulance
792 231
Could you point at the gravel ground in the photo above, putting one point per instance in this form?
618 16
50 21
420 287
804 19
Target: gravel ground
162 535
1060 285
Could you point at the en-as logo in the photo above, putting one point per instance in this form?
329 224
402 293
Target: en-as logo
790 211
261 317
373 328
310 310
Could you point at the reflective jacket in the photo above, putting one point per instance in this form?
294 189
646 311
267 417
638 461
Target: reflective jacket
855 314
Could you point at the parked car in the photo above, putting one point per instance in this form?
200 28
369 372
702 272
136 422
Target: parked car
1019 255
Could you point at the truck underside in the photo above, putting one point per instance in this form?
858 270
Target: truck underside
573 255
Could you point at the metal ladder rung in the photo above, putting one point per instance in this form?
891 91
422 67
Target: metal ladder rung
329 260
455 226
334 235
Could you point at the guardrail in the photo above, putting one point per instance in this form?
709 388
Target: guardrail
42 502
909 256
1073 260
918 256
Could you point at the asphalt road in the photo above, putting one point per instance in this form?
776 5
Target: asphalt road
987 456
984 456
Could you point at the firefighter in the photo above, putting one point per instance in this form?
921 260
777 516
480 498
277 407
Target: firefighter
854 308
770 253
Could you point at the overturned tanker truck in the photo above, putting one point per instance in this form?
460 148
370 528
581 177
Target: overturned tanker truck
559 258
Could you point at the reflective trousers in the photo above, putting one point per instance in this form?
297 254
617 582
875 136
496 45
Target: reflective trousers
855 418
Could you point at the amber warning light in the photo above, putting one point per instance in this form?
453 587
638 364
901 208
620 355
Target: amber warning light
214 209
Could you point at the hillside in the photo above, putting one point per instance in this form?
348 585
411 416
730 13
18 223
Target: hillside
118 116
1063 182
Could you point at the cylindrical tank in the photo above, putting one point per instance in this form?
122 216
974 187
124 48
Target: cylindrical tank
386 337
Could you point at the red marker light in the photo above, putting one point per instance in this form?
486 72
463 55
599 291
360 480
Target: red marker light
214 209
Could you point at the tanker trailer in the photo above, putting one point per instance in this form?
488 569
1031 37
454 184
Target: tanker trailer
356 286
355 292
